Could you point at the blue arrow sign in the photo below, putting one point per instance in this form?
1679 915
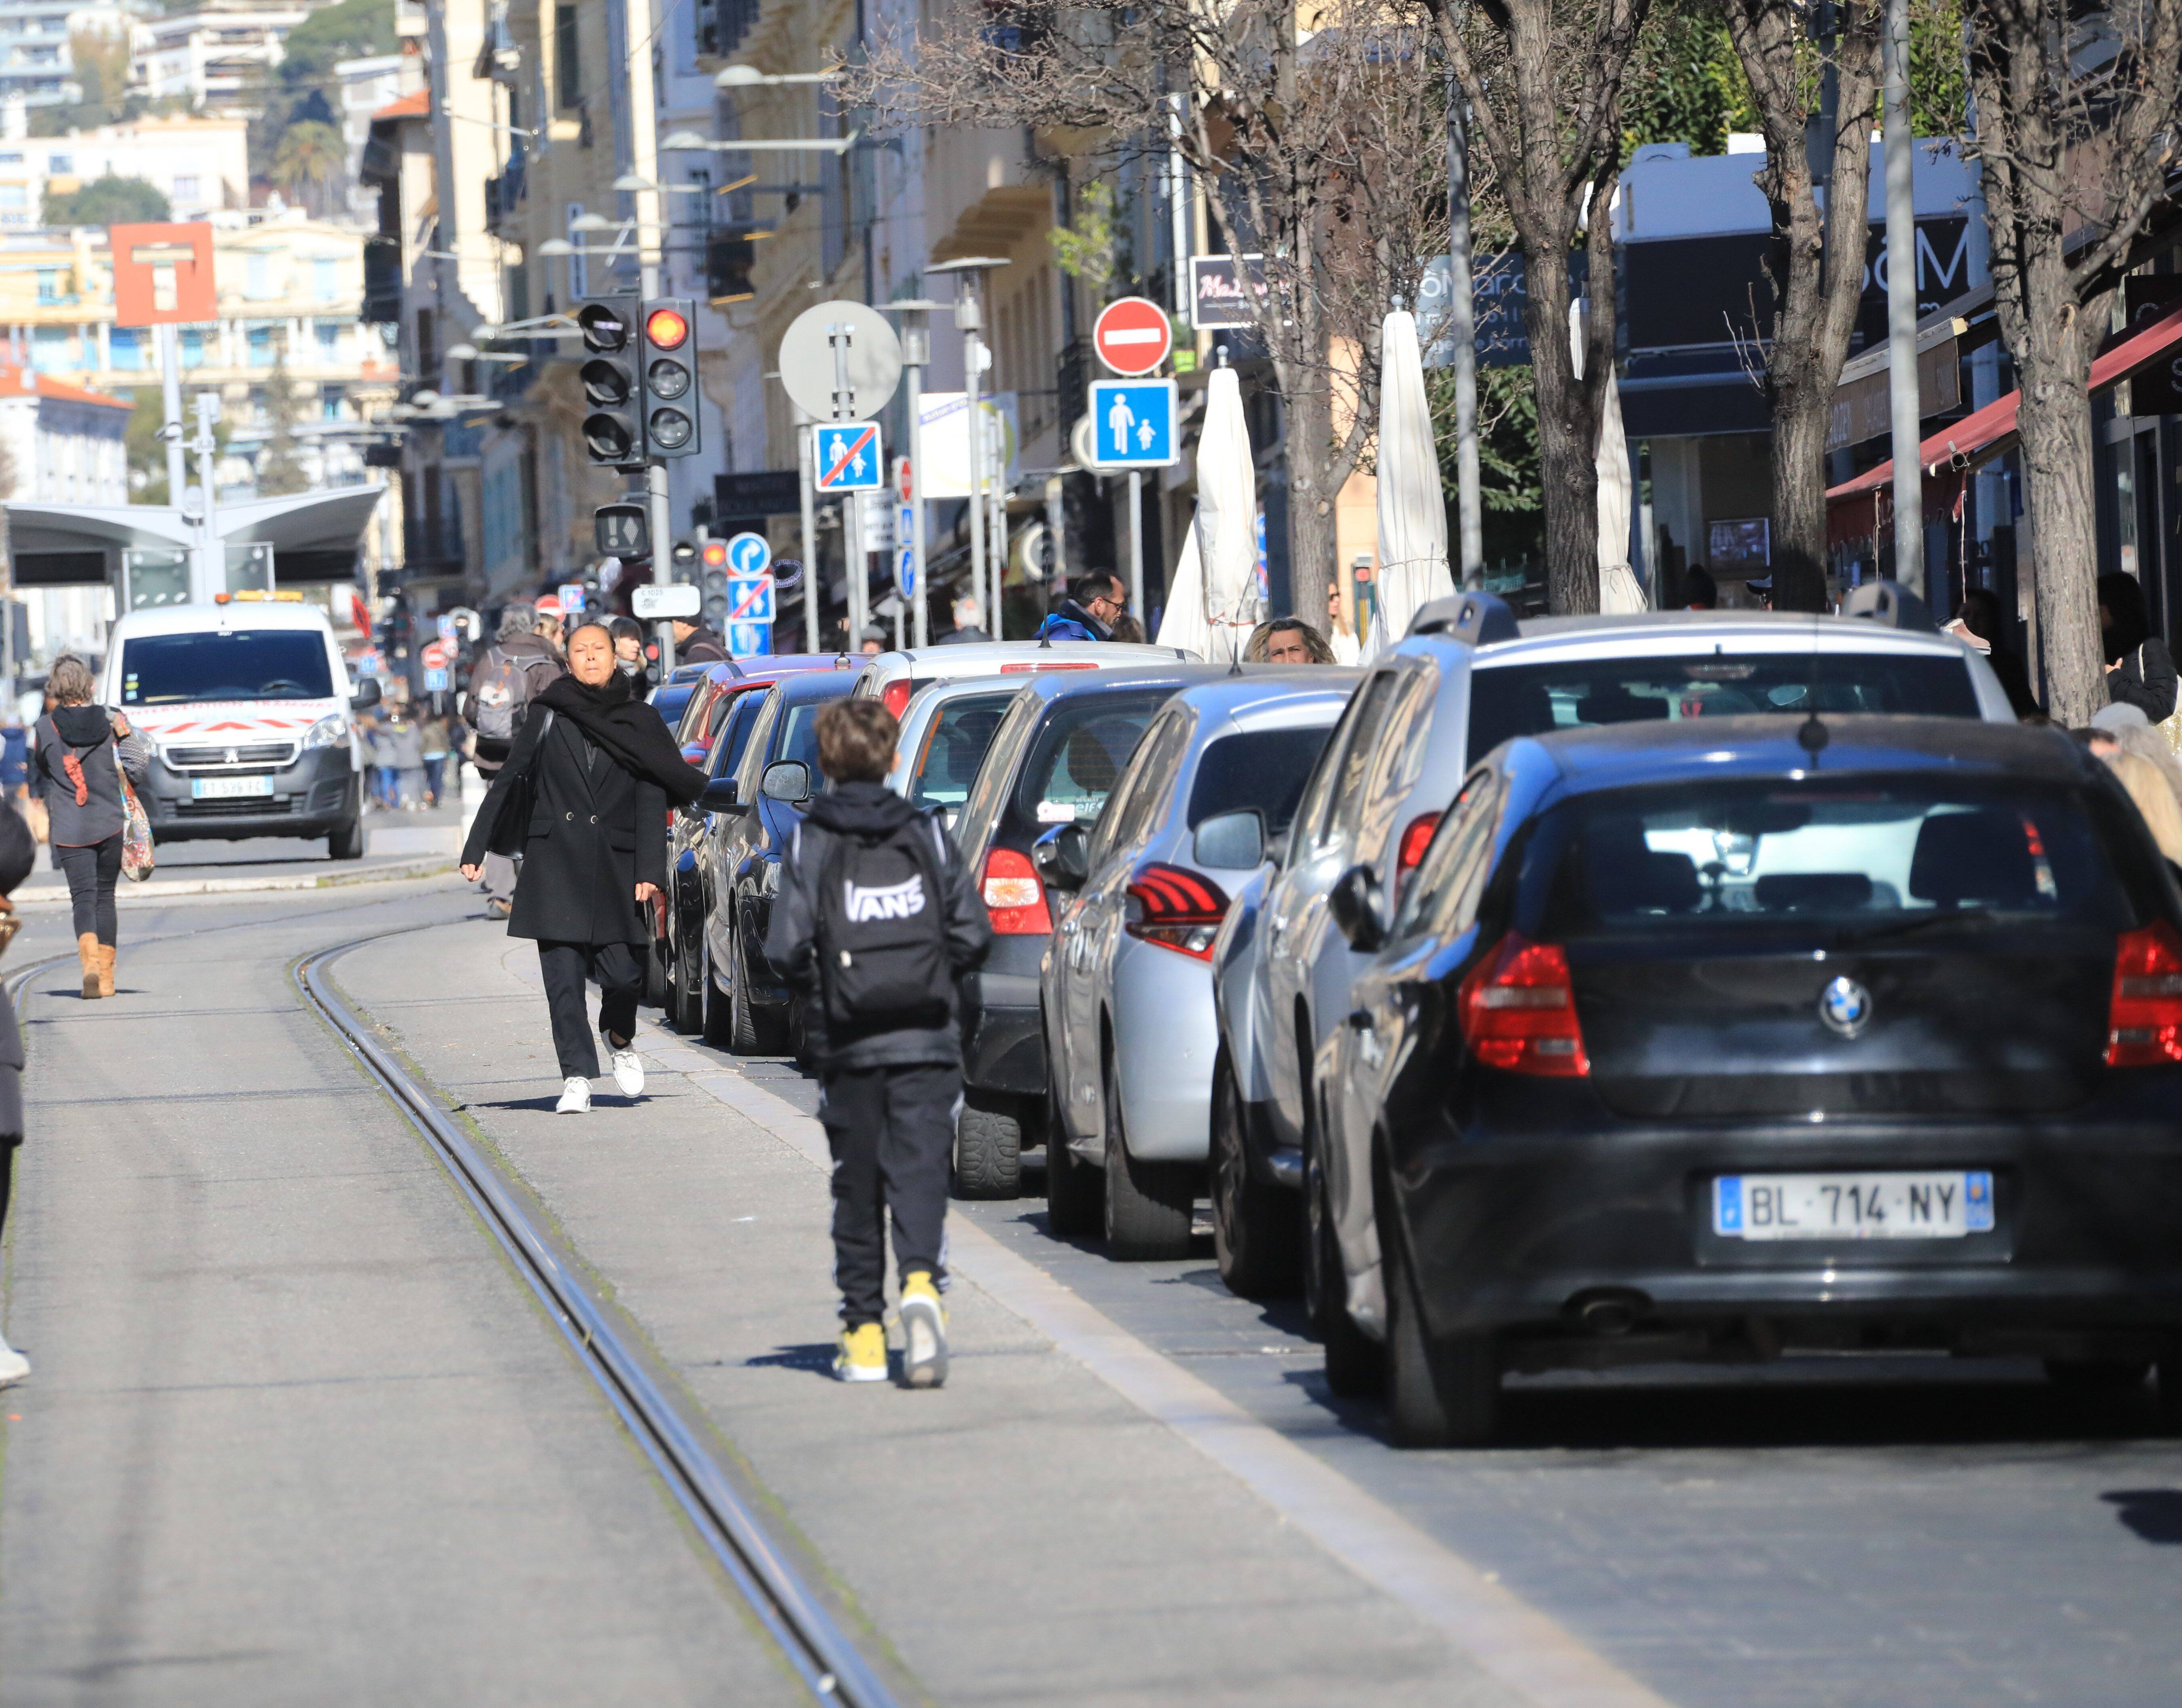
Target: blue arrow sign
748 554
848 457
1132 424
905 551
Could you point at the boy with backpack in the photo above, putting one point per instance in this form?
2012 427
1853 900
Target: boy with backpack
876 919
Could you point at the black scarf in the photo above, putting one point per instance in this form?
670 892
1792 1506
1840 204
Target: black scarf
632 731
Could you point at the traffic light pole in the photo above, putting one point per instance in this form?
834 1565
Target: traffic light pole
643 162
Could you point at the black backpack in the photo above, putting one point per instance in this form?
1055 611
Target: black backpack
881 933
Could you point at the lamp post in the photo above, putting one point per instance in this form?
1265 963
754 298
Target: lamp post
1901 302
969 318
916 357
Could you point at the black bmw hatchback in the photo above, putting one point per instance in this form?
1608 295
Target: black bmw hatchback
1697 1040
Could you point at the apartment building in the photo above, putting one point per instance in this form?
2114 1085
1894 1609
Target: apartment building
210 57
201 165
35 64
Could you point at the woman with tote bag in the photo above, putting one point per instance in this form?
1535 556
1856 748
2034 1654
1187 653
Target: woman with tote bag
78 754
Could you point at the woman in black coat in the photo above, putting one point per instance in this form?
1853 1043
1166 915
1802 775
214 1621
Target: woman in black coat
2139 670
584 798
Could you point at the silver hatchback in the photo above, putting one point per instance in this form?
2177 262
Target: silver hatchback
1126 986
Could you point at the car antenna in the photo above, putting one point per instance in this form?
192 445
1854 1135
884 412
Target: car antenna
1814 735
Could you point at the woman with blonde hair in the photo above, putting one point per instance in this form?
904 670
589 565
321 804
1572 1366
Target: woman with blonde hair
78 752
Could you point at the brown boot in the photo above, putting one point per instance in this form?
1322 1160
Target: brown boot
87 951
106 969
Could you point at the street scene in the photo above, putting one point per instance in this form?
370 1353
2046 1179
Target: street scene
1096 854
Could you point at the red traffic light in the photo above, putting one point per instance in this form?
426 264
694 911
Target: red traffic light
667 328
715 554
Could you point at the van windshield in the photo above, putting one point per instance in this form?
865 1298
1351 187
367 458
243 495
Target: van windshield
245 664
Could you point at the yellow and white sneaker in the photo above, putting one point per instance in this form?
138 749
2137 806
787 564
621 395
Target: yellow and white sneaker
924 1332
862 1354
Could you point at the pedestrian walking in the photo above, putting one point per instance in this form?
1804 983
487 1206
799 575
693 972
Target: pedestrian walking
697 644
583 797
875 920
1094 600
1287 640
432 738
969 623
508 676
408 745
628 652
78 752
384 771
18 853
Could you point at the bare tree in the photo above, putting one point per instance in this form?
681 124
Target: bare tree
1544 80
1816 262
1316 132
2076 137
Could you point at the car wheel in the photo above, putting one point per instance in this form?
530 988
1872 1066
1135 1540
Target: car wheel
1439 1394
686 988
718 1022
742 1024
658 976
1150 1206
1355 1363
1257 1228
988 1147
1073 1190
346 841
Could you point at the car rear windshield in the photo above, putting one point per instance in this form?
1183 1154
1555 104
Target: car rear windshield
1263 768
246 664
954 745
1509 700
1077 757
1885 854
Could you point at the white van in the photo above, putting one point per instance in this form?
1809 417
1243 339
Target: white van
249 704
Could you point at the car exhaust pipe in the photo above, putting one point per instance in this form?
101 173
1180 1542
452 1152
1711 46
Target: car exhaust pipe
1610 1315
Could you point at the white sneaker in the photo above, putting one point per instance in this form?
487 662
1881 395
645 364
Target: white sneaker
575 1098
628 1071
13 1366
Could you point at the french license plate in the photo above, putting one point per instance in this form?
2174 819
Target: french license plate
1855 1206
229 787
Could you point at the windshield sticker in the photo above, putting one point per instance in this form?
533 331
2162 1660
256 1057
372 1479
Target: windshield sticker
1056 812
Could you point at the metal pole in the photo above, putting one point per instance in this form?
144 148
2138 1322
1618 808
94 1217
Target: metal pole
855 567
999 536
170 390
967 318
643 162
1137 542
1462 328
211 558
812 591
1901 304
915 351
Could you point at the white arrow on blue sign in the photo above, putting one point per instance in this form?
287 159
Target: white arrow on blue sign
748 554
905 551
848 457
1132 424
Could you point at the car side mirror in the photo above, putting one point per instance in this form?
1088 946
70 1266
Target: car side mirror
366 695
1062 857
1232 841
1359 908
719 796
787 780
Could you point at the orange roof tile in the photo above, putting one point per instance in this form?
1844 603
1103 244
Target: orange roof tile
414 106
44 385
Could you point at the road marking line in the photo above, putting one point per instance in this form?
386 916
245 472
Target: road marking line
1497 1629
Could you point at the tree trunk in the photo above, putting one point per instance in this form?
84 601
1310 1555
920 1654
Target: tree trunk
2056 423
1801 417
1568 439
1311 493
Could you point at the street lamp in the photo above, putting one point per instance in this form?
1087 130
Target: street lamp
916 357
689 140
970 271
749 77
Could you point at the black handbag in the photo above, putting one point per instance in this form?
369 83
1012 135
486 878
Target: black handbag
511 820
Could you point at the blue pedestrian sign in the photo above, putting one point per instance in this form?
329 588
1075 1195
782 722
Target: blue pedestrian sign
849 457
905 550
1132 424
748 554
750 599
749 639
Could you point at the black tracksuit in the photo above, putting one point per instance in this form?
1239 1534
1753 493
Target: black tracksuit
888 1100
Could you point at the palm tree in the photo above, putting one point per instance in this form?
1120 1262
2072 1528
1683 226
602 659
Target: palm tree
307 164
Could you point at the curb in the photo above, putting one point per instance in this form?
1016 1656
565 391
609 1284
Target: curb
154 890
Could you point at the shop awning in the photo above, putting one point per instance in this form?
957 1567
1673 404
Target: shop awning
1857 509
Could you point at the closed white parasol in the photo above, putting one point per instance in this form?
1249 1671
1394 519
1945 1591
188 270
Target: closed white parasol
1412 510
1213 604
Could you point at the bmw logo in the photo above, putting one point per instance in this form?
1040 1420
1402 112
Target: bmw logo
1845 1007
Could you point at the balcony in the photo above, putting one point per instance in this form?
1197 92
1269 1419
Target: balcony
503 195
431 545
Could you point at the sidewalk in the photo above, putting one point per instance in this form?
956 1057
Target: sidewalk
1027 1534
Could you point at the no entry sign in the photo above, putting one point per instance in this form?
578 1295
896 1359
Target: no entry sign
1132 335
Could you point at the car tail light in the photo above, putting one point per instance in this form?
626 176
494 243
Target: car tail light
895 695
2143 1024
1414 841
1014 897
1177 909
1519 1010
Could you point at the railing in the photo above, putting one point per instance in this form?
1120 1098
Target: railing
429 544
504 194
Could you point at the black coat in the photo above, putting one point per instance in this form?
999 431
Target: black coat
2145 678
594 832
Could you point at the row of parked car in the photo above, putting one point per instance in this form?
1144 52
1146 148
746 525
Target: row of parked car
1572 992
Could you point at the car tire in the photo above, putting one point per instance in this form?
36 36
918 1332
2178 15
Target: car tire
658 976
685 996
1439 1394
1257 1227
1355 1363
988 1147
1150 1206
712 1001
1074 1194
346 842
742 1020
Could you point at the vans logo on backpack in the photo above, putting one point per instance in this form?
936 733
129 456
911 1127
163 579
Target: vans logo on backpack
899 901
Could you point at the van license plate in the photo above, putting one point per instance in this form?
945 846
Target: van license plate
1853 1207
229 787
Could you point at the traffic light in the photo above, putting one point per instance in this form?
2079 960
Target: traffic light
685 560
668 342
613 431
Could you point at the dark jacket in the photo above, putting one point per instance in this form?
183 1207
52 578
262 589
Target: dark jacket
1069 620
540 665
870 809
2015 680
962 637
86 732
704 646
593 832
18 853
2145 679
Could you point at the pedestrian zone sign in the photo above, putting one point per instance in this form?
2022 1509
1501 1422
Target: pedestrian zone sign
848 457
750 599
749 639
905 550
1132 424
748 554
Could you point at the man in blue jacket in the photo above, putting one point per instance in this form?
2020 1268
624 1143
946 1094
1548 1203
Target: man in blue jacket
1094 600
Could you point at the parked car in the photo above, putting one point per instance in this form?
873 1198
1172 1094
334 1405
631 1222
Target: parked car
946 729
1054 761
1125 989
1699 1042
672 697
718 686
893 676
1467 678
746 1005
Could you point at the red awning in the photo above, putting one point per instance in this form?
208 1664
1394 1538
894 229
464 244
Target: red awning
1856 508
